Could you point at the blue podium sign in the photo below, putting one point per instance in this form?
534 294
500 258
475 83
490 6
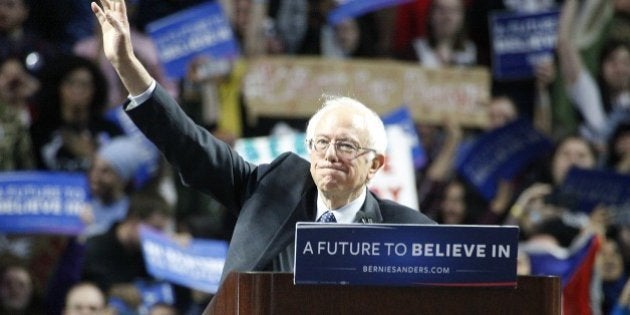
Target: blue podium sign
405 254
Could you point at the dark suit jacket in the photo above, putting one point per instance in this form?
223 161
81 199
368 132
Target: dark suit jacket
269 199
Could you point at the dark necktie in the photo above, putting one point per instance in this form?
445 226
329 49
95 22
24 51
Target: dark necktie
327 217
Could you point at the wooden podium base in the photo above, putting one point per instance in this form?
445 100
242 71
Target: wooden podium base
274 293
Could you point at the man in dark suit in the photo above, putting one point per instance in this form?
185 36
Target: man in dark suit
346 141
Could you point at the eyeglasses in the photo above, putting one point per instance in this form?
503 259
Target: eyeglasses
343 148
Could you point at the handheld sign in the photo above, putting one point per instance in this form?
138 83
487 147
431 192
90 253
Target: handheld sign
405 254
42 202
496 155
520 41
353 8
295 82
402 117
198 265
200 30
396 180
584 189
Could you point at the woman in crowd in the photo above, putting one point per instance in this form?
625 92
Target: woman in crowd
446 43
71 124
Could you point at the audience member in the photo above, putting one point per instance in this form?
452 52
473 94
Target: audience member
622 307
115 257
112 176
521 91
539 201
445 43
603 102
70 125
17 293
85 298
163 309
612 271
352 37
18 40
409 23
618 149
287 24
17 86
453 205
457 142
61 22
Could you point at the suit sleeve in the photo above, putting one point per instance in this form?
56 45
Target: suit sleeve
204 162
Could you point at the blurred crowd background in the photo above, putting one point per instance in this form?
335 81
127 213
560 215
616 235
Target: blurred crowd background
56 87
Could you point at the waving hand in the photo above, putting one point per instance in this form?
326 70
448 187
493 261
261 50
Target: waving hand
112 17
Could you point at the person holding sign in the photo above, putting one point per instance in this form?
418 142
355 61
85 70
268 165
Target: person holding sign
603 98
345 139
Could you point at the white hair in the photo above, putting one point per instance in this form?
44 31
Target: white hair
377 137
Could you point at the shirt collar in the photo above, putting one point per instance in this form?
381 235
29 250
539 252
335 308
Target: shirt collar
345 214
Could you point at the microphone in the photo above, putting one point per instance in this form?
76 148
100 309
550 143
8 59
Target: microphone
364 218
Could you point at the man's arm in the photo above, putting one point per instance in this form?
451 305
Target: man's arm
112 17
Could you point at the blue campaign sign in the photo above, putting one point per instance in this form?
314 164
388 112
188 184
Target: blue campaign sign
42 202
520 41
201 30
402 117
405 254
353 8
501 154
153 292
583 190
198 265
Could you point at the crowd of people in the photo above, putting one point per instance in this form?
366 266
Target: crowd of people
58 93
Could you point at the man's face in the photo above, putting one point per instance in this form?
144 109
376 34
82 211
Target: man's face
571 152
454 205
447 18
76 92
501 112
616 69
104 181
336 175
15 288
85 300
13 13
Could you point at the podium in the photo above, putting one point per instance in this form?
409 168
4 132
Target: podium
275 293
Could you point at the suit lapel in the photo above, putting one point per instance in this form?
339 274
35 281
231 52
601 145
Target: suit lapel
370 212
285 234
266 224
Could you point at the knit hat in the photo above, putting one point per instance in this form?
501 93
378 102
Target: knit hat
127 156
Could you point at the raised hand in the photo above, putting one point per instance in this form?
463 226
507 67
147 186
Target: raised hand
112 17
114 23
